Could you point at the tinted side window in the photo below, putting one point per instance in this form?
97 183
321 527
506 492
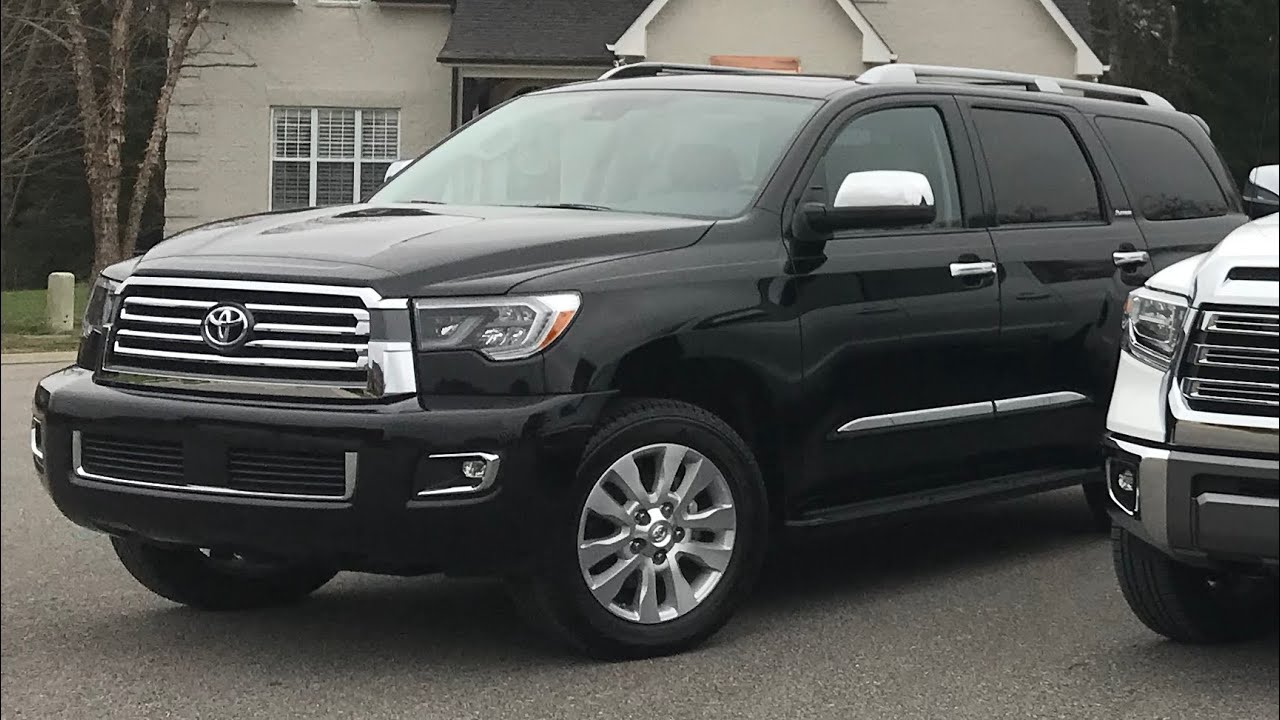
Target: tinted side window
1165 176
1039 174
909 138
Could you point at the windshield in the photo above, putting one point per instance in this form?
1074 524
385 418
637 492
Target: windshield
652 151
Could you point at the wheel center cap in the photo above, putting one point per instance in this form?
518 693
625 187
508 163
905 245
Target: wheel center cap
660 534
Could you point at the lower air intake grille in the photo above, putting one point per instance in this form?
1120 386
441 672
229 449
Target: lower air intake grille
292 473
285 474
141 461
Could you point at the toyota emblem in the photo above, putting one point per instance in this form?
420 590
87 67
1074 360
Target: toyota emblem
226 327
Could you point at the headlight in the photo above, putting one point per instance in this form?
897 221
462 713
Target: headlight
503 328
1153 323
101 305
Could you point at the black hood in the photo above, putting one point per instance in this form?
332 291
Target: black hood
406 250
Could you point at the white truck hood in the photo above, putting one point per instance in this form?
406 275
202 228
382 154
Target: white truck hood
1207 278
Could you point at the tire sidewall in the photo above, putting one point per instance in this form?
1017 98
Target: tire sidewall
743 477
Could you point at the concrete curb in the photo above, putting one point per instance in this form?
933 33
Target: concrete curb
38 358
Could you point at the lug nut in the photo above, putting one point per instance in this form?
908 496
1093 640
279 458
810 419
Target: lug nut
642 517
666 509
660 558
679 534
637 545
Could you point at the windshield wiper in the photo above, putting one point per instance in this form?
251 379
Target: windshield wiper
572 206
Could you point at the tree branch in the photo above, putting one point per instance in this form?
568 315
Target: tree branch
193 11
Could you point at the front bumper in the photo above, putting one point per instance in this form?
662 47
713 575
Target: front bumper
1205 509
383 525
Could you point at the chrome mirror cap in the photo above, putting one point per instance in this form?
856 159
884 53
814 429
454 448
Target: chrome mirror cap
884 189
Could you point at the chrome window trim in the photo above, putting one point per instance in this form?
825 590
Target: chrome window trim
1042 401
350 468
490 475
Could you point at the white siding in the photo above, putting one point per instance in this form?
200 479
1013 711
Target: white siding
305 55
1016 35
818 32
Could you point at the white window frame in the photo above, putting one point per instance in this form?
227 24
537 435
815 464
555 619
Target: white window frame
313 158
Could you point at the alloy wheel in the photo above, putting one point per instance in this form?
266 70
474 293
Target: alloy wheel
656 533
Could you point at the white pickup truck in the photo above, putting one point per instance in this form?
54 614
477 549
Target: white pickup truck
1193 440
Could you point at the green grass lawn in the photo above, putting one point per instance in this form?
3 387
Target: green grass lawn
22 321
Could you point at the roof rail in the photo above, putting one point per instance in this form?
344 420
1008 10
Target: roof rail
652 69
912 74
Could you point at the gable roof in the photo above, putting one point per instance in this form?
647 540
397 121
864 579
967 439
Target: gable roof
1077 13
546 32
576 32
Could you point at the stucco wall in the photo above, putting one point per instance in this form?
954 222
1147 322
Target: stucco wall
1014 35
816 31
310 54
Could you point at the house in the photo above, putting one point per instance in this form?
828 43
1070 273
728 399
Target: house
291 103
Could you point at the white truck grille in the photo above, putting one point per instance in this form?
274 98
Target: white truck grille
1233 363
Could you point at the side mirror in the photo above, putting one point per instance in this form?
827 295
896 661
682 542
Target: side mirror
394 169
1262 191
874 199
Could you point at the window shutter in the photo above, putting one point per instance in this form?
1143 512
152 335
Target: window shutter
337 134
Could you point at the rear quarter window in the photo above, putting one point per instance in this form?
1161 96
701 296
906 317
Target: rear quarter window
1166 177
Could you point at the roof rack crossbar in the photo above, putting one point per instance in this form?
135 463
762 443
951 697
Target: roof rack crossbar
652 69
911 74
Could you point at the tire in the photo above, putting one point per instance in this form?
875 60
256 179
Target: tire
1095 495
557 597
189 577
1189 604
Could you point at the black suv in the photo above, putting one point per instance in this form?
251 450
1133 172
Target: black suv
607 339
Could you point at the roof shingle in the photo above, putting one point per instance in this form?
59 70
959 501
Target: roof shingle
566 32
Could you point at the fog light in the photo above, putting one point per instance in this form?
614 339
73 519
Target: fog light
474 469
460 473
1123 484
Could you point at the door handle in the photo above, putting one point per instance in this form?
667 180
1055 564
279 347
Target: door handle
1129 258
972 269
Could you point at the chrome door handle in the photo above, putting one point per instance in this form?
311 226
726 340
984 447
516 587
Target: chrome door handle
1124 259
971 269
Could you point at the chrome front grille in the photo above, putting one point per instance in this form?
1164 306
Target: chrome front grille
290 336
1233 363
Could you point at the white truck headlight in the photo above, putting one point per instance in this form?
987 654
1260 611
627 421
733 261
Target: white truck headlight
1153 326
502 328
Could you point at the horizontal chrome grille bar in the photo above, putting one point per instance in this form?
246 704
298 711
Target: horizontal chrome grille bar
1242 323
360 363
360 328
159 320
1249 358
169 302
357 313
1233 391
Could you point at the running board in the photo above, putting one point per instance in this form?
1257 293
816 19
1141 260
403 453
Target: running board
999 488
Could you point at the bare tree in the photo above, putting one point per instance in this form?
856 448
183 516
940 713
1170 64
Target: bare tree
37 119
101 40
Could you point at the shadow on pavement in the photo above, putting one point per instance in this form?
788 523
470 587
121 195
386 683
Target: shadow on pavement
364 625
